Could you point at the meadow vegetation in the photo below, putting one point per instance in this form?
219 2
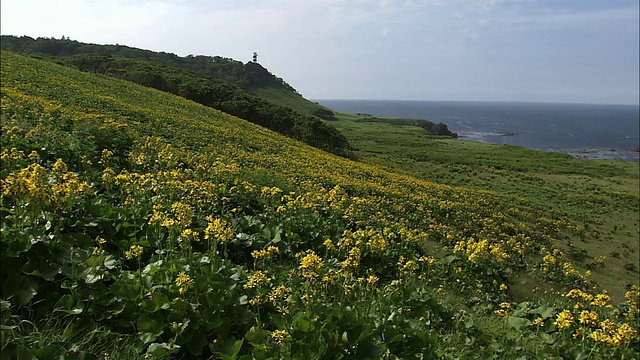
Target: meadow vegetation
248 91
137 224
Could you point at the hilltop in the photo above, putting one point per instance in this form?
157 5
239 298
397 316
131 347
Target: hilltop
273 98
250 76
137 223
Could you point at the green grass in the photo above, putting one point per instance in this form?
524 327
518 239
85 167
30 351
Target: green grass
285 97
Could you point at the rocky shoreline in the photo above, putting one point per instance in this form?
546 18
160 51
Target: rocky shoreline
605 154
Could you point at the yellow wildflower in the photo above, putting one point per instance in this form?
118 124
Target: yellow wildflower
278 294
601 299
329 244
564 319
183 214
219 230
310 264
257 279
189 234
134 251
257 300
184 282
183 278
589 318
279 336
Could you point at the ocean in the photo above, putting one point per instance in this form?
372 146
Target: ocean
583 130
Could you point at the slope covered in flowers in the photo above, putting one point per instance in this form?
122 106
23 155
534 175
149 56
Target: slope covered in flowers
132 214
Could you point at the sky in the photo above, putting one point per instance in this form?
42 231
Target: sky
580 51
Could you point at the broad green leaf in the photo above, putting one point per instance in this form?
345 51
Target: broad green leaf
51 351
23 353
518 322
68 304
255 335
544 311
150 326
369 350
197 342
21 289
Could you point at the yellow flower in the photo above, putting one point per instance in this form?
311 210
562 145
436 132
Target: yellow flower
33 155
259 254
598 336
310 264
503 287
278 294
564 319
353 260
182 278
257 279
219 230
577 293
601 299
135 251
158 216
538 322
589 318
189 234
430 260
625 334
168 223
279 336
409 267
257 300
59 166
377 243
184 282
183 214
578 333
608 326
329 244
105 159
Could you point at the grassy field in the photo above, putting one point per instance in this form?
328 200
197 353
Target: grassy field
599 195
137 224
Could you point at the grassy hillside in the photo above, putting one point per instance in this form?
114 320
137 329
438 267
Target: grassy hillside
251 77
221 83
136 223
599 196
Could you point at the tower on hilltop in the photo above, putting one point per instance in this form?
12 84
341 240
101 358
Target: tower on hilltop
255 57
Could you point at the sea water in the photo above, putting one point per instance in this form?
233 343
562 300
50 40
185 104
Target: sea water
583 130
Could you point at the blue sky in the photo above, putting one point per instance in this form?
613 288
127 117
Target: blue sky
506 50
